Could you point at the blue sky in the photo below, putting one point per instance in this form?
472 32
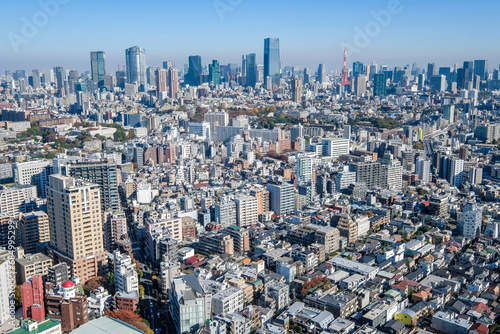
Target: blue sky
310 32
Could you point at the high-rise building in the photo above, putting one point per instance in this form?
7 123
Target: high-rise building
475 175
161 82
33 173
214 73
481 69
126 279
262 196
360 85
34 228
173 83
469 221
101 172
304 169
36 79
251 70
135 59
431 70
18 199
379 84
272 63
74 208
216 118
60 77
282 198
449 113
297 90
98 67
195 70
6 290
114 228
246 210
454 171
438 83
322 74
423 169
225 212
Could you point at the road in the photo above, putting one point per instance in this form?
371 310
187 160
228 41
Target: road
151 311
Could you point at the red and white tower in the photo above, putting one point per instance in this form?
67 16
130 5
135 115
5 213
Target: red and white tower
345 79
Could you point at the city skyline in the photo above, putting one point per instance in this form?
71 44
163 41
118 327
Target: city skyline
214 30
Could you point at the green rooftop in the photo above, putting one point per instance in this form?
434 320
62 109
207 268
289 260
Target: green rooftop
42 327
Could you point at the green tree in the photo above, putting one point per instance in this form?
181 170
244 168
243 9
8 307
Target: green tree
141 291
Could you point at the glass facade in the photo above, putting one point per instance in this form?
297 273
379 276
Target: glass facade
272 65
135 58
98 67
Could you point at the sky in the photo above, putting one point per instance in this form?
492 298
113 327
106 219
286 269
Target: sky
47 33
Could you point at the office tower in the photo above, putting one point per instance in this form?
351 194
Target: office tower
272 64
469 221
481 69
379 84
449 113
475 175
173 83
48 76
60 77
36 79
357 68
161 82
468 70
304 169
74 209
423 170
151 76
101 172
297 90
281 198
214 73
33 298
246 210
6 290
347 132
251 70
243 66
33 173
34 229
260 74
360 85
194 74
322 74
431 70
307 76
126 279
135 59
201 129
438 83
168 64
98 67
216 118
225 212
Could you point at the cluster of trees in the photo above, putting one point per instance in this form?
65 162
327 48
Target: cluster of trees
312 283
378 122
274 155
132 319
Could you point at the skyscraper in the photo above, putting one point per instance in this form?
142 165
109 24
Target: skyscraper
251 69
214 72
379 84
304 168
60 75
322 74
469 221
481 69
194 74
161 82
297 90
135 58
431 70
173 83
423 169
272 63
282 198
36 79
98 67
74 208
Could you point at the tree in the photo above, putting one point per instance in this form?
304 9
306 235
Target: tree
140 274
18 296
141 291
130 318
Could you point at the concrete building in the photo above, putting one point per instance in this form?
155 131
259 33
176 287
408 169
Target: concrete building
282 198
354 267
6 288
67 305
18 199
33 173
34 228
227 301
74 208
335 147
126 279
33 293
225 212
216 243
304 169
445 322
32 265
246 210
469 221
